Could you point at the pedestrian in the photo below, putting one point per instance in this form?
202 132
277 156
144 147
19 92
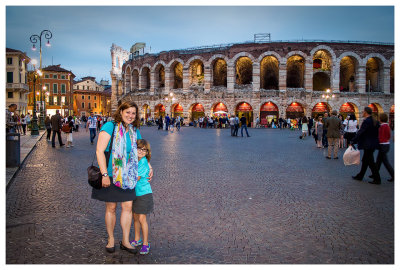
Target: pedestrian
342 126
143 204
69 133
235 133
178 123
351 127
310 125
160 123
367 139
119 172
333 124
304 127
84 120
91 126
319 131
28 121
324 138
167 121
56 128
384 146
23 123
243 121
47 124
257 122
232 124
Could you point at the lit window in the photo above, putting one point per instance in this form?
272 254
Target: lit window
55 100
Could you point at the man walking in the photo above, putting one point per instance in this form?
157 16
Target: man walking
56 128
243 120
236 126
92 126
232 124
367 139
167 120
333 134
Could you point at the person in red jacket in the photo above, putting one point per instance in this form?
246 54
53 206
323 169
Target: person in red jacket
384 145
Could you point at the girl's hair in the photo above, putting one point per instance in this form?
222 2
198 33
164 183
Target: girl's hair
383 117
143 143
124 106
304 119
352 117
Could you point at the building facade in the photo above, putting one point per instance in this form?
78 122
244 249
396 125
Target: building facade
56 85
89 96
17 88
265 80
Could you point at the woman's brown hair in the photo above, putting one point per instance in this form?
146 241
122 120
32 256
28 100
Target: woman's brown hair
143 143
124 106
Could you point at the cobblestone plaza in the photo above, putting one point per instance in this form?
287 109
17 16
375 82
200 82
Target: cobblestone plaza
267 199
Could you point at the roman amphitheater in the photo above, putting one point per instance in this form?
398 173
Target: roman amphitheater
267 80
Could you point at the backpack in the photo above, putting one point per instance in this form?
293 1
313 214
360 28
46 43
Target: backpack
66 128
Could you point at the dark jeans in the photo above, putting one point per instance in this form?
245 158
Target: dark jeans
324 139
53 142
241 130
232 130
382 157
235 132
24 128
48 133
368 161
92 134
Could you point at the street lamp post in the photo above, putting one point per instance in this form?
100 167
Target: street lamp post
171 99
34 39
35 128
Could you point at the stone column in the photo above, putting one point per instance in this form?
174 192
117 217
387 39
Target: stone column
168 80
114 94
256 77
386 80
282 75
140 86
335 77
230 77
186 79
360 79
308 74
152 82
207 79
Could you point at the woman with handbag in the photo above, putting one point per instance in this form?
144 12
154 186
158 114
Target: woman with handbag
350 128
120 171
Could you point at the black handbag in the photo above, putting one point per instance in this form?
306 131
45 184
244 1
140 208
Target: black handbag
94 173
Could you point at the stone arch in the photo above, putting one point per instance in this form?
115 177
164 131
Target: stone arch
295 70
159 110
196 110
375 55
159 70
191 59
374 73
269 112
244 70
153 68
348 72
172 62
216 56
176 73
243 54
324 48
244 108
320 107
349 53
219 72
270 53
196 70
349 108
295 110
269 72
217 106
300 53
145 76
135 78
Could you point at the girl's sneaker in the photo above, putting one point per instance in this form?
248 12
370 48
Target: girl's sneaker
145 249
136 243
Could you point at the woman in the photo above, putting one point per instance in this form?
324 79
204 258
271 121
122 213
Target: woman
351 128
123 162
319 130
23 123
47 123
341 140
69 134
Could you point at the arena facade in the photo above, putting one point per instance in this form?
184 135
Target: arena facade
268 80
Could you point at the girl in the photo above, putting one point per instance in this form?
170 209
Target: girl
144 198
319 128
304 127
69 134
342 126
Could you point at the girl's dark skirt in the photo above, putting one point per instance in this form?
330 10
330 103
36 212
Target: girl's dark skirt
143 204
113 194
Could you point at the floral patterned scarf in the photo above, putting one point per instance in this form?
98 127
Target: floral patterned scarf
125 165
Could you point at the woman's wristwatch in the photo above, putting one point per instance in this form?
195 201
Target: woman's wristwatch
105 174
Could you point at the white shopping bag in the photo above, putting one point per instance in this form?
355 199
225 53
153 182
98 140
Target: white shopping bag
351 156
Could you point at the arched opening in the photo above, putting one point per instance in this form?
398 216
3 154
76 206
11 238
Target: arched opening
295 72
219 109
392 78
245 109
347 78
197 111
320 108
269 73
145 78
146 112
269 113
196 73
244 71
160 76
177 76
294 110
177 110
220 72
159 110
376 110
128 80
391 117
322 61
135 80
321 81
374 75
347 109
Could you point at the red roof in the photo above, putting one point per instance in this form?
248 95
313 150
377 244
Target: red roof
57 68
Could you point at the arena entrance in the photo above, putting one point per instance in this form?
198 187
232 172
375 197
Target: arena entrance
245 109
159 110
219 110
320 108
376 110
294 111
146 112
197 112
347 109
269 112
391 117
177 110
